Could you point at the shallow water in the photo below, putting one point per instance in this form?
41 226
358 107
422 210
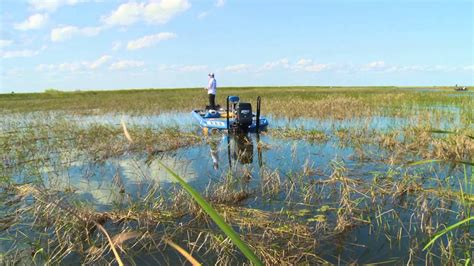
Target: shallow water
182 120
461 94
185 122
301 164
209 161
115 181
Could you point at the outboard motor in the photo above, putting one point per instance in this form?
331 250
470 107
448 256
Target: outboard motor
244 115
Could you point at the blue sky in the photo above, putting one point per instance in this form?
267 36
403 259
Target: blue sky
94 44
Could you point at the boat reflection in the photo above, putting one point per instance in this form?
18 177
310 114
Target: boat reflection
240 149
214 154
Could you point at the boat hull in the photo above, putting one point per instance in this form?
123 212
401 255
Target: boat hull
221 123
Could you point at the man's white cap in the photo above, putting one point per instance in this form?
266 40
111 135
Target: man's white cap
211 74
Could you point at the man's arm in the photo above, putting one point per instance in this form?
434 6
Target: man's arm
208 85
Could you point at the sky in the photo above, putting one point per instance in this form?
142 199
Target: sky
111 44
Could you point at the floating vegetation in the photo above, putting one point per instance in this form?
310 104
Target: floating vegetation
299 133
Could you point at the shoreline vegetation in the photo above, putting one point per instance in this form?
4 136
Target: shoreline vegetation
276 99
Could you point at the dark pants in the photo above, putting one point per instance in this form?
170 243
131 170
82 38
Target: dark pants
212 101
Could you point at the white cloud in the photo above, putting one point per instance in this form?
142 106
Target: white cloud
309 66
275 64
183 68
90 31
237 68
44 67
125 14
67 32
150 40
386 68
75 66
316 67
192 68
153 12
220 3
59 67
375 66
381 66
203 15
471 68
444 68
71 67
164 67
5 43
125 64
51 5
33 22
304 62
18 53
116 46
306 65
163 11
63 33
99 62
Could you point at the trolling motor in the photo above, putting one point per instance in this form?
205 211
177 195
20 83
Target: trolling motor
243 116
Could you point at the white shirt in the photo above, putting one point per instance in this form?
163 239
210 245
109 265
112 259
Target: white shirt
211 88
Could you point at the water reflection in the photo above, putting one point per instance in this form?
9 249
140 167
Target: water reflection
240 149
214 154
105 183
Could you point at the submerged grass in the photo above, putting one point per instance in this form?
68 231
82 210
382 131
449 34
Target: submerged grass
447 230
217 219
299 133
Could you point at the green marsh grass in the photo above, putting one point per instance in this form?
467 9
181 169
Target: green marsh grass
317 204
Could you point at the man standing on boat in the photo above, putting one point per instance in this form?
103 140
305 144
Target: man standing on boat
211 91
